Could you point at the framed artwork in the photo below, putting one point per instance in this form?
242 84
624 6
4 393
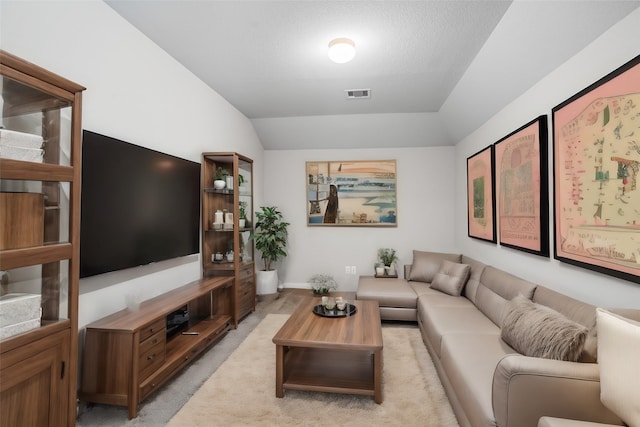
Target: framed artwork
352 193
522 188
481 201
596 165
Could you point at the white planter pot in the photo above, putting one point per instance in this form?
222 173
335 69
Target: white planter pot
219 184
242 222
266 282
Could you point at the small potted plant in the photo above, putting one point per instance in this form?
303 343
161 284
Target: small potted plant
379 267
322 284
242 214
220 181
388 258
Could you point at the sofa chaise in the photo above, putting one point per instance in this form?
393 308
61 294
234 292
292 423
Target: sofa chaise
507 351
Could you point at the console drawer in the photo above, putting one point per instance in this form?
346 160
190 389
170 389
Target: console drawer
153 328
152 352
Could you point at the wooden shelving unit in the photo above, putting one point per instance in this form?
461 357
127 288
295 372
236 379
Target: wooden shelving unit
220 238
38 367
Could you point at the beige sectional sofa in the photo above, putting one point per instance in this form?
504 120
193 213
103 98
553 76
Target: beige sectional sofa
460 312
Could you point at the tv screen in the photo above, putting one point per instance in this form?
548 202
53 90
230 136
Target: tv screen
138 205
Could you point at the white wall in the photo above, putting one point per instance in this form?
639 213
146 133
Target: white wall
135 92
425 185
614 48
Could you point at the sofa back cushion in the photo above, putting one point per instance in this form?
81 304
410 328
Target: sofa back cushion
425 265
578 311
496 288
475 273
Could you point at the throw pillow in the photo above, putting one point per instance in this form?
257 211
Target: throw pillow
426 264
539 331
619 360
451 277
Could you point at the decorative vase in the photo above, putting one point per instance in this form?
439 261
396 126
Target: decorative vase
391 270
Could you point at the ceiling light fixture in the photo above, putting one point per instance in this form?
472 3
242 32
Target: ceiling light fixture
342 50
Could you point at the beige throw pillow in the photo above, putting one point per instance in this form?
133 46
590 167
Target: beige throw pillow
426 264
539 331
619 360
451 277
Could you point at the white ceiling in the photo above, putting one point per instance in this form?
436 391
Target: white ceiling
268 58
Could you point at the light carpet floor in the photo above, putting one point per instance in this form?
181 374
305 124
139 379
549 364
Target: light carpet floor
242 391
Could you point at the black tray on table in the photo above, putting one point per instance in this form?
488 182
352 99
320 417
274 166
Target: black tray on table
349 310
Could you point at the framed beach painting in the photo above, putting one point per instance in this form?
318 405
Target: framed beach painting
481 220
596 165
522 188
353 193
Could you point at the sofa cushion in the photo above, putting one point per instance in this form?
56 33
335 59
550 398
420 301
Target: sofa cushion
451 277
539 331
469 361
496 288
578 311
388 292
619 356
439 320
475 273
426 264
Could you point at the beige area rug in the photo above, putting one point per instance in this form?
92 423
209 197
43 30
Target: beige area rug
242 391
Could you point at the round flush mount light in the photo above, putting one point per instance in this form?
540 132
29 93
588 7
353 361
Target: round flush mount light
342 50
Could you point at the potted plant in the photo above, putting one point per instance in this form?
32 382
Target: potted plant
388 257
270 238
242 214
220 179
322 284
379 267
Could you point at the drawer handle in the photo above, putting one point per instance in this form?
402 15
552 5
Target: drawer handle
186 358
155 341
151 330
151 357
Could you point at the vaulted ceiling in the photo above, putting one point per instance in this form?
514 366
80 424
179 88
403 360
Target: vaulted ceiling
422 60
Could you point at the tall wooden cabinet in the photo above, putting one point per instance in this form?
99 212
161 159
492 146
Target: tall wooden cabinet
40 171
227 246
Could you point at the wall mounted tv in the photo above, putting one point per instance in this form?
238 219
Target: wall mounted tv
138 205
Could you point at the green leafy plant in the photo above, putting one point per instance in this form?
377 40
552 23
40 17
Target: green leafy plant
270 235
387 256
242 210
322 284
222 173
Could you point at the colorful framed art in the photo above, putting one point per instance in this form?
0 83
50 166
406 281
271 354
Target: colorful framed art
481 220
522 188
596 165
352 193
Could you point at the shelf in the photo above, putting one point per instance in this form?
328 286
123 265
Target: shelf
224 191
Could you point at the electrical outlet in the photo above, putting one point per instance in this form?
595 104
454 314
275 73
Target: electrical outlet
347 269
353 269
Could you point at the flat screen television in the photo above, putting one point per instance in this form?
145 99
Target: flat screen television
138 205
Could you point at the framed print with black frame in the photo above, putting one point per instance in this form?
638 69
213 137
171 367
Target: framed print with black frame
596 168
522 188
481 219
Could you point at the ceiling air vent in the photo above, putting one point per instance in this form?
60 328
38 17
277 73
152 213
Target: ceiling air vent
358 93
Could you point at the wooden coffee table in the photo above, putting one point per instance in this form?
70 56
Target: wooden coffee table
336 355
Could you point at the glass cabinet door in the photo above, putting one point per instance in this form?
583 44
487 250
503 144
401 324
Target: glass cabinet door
36 181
